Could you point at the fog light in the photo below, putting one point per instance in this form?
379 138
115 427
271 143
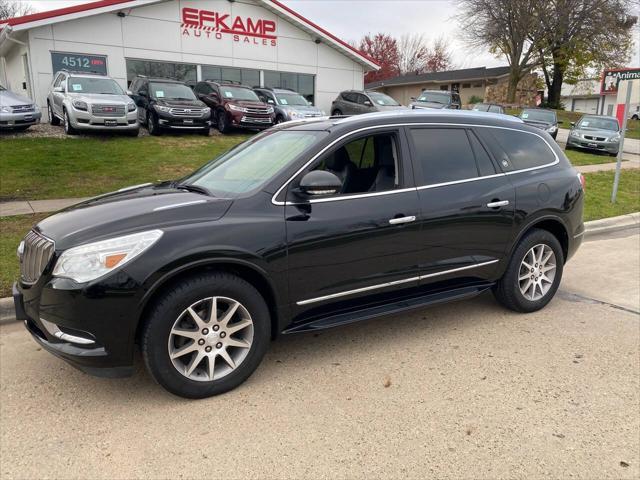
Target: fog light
54 330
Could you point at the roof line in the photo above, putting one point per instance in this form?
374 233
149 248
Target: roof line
34 17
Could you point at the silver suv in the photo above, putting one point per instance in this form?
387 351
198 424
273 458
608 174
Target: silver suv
355 102
85 101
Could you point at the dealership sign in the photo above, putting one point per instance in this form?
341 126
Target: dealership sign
611 79
214 25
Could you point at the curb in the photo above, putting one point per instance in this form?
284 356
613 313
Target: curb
592 229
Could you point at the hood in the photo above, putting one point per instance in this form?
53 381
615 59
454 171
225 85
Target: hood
384 108
249 103
595 132
537 123
302 108
433 105
11 99
101 98
128 211
180 103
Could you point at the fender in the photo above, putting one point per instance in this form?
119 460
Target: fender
532 223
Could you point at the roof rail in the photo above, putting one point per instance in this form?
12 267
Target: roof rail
80 72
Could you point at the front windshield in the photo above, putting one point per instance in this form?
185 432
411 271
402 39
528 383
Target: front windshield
294 99
481 107
94 85
239 93
434 97
382 99
252 163
599 123
538 115
171 91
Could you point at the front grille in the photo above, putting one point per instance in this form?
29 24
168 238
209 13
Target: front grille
186 112
597 139
108 110
256 120
22 108
38 251
257 110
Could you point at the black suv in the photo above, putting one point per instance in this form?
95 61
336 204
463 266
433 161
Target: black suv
164 103
305 226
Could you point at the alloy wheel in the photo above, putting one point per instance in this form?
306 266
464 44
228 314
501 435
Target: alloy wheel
537 272
210 338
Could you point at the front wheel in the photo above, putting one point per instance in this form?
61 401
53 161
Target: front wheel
152 124
68 128
206 335
53 120
336 113
534 273
222 123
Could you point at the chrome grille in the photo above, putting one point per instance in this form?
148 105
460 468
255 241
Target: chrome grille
22 108
597 139
257 110
186 112
38 251
256 120
108 110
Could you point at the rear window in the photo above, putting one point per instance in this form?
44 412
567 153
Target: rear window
525 150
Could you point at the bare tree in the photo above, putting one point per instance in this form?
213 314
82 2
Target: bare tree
14 8
417 56
507 28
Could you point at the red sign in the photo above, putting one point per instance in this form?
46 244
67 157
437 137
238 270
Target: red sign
611 78
210 24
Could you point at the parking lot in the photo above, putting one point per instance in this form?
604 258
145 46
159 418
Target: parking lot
466 390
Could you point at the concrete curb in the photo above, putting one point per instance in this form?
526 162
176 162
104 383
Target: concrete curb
592 229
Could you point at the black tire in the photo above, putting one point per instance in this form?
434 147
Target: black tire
174 301
21 128
152 124
133 133
68 128
205 131
53 120
613 154
336 113
222 123
279 119
507 290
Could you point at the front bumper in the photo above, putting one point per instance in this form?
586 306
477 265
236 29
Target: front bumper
13 120
582 143
251 121
82 120
167 120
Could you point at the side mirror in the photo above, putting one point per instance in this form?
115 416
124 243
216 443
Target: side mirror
214 95
573 124
270 101
413 99
129 92
320 182
368 103
58 89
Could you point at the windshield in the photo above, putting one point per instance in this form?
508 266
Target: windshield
252 163
171 91
382 99
599 123
434 97
94 85
294 99
239 93
481 107
538 115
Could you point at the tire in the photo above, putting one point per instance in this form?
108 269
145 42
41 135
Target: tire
613 154
279 119
53 120
133 133
172 310
68 128
336 113
22 128
635 117
221 122
508 290
152 124
205 132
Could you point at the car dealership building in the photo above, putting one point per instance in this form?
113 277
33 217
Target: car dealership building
255 42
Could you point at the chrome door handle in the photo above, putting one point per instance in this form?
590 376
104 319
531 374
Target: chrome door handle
398 221
501 203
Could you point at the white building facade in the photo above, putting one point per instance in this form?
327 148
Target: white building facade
254 42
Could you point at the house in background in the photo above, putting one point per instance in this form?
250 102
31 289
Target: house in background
582 96
488 84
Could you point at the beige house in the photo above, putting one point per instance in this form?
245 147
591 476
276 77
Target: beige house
488 84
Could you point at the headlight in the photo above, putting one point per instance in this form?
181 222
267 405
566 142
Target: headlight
552 129
6 109
294 114
131 107
574 133
236 108
269 109
615 138
80 105
206 110
88 262
160 108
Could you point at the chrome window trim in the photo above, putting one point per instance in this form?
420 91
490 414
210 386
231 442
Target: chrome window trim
395 282
421 187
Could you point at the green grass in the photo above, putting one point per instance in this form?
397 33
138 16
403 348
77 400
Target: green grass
42 168
598 194
566 117
579 157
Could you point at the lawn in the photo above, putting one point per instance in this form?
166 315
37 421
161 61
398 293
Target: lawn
41 168
579 157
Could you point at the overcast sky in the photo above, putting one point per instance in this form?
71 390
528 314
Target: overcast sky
351 19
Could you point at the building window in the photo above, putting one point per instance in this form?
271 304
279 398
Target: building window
299 82
245 76
444 87
466 85
477 85
180 71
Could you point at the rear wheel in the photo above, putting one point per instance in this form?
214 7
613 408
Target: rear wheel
336 113
53 120
534 273
206 335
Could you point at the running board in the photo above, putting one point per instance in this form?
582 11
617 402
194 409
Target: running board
390 308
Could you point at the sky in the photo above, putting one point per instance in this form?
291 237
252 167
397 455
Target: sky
352 19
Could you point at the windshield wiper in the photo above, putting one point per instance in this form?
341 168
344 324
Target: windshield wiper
193 188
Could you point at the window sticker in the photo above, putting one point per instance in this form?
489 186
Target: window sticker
160 93
228 94
585 124
525 115
283 101
76 87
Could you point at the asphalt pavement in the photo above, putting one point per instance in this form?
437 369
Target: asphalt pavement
464 390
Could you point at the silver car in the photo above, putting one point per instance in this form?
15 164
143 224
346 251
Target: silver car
17 112
84 101
355 102
595 132
288 105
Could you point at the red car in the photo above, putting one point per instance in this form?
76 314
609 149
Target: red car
233 105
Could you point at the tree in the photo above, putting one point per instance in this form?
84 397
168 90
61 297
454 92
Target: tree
578 35
382 48
439 58
416 56
14 8
506 27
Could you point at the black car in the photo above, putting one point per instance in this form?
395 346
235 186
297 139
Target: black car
541 118
165 103
305 226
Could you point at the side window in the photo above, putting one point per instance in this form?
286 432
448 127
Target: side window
525 150
56 83
349 97
63 82
368 164
495 109
362 99
485 165
444 155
